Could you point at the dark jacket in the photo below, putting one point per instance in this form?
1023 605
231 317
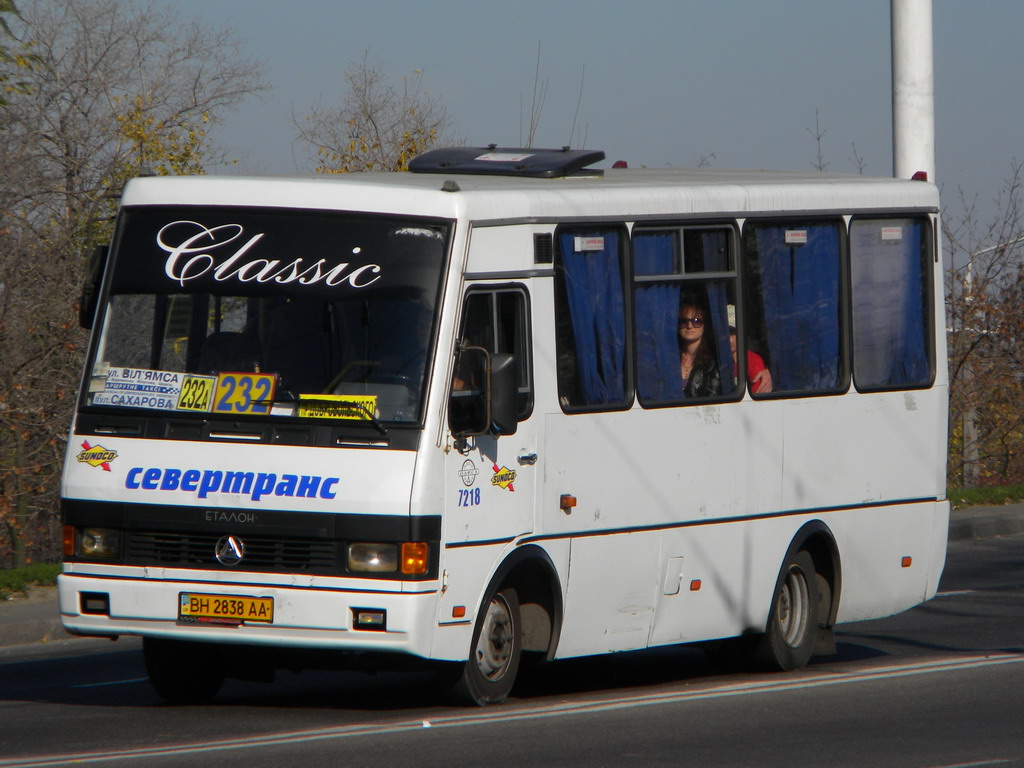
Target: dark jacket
704 381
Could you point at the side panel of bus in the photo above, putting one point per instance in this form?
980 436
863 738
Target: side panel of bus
684 514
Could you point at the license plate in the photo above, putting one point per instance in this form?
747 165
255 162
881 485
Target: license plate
225 609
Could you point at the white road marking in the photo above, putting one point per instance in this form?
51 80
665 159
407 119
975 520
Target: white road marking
807 679
111 682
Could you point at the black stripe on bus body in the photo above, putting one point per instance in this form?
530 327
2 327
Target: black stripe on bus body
276 541
692 523
509 274
479 543
225 520
99 422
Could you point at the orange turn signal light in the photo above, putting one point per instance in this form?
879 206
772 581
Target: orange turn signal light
415 557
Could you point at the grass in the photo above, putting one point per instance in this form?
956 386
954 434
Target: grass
993 496
18 580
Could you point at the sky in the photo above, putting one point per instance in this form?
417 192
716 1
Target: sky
737 83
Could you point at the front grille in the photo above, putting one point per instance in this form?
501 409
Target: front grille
262 553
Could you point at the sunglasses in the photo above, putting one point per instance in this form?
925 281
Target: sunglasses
696 322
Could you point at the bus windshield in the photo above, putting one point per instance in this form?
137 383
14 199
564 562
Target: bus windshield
269 312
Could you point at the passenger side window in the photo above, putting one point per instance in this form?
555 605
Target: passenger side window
794 302
590 319
889 266
684 296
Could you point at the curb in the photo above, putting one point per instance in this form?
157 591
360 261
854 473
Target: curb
33 619
986 522
33 631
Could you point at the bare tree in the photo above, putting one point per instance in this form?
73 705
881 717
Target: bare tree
818 134
106 87
7 83
985 316
377 127
858 162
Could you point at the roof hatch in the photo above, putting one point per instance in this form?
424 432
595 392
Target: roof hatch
496 161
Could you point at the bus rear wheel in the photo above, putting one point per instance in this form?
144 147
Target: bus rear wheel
489 673
793 623
182 672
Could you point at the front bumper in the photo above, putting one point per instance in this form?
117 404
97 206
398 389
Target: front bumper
304 616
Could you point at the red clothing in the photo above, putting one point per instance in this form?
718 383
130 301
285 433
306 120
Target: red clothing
755 364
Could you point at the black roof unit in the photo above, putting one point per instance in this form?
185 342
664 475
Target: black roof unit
496 161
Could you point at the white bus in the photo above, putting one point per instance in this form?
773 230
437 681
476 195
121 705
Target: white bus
492 408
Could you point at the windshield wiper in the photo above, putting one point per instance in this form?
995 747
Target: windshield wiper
288 397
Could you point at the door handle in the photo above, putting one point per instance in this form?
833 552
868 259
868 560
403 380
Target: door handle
527 458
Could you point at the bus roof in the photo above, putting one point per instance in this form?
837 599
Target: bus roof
621 194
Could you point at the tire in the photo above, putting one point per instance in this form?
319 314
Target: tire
489 673
793 622
182 672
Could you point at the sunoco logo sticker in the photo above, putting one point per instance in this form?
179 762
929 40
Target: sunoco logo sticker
96 456
503 477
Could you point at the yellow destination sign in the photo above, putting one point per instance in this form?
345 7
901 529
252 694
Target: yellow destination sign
353 407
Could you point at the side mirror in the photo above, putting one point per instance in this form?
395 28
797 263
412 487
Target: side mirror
467 406
484 394
502 394
91 288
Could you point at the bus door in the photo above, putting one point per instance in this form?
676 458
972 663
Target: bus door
490 480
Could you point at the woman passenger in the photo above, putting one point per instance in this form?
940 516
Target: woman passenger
697 363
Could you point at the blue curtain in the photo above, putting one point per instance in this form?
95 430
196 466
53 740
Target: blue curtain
909 359
593 285
658 377
890 340
800 290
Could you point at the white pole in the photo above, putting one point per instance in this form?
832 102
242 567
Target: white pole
913 89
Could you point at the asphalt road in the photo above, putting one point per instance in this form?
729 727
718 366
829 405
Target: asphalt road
937 686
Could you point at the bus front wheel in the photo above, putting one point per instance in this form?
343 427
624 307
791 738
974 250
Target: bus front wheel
793 623
489 673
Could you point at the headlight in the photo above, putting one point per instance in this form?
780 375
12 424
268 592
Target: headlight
99 542
373 557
